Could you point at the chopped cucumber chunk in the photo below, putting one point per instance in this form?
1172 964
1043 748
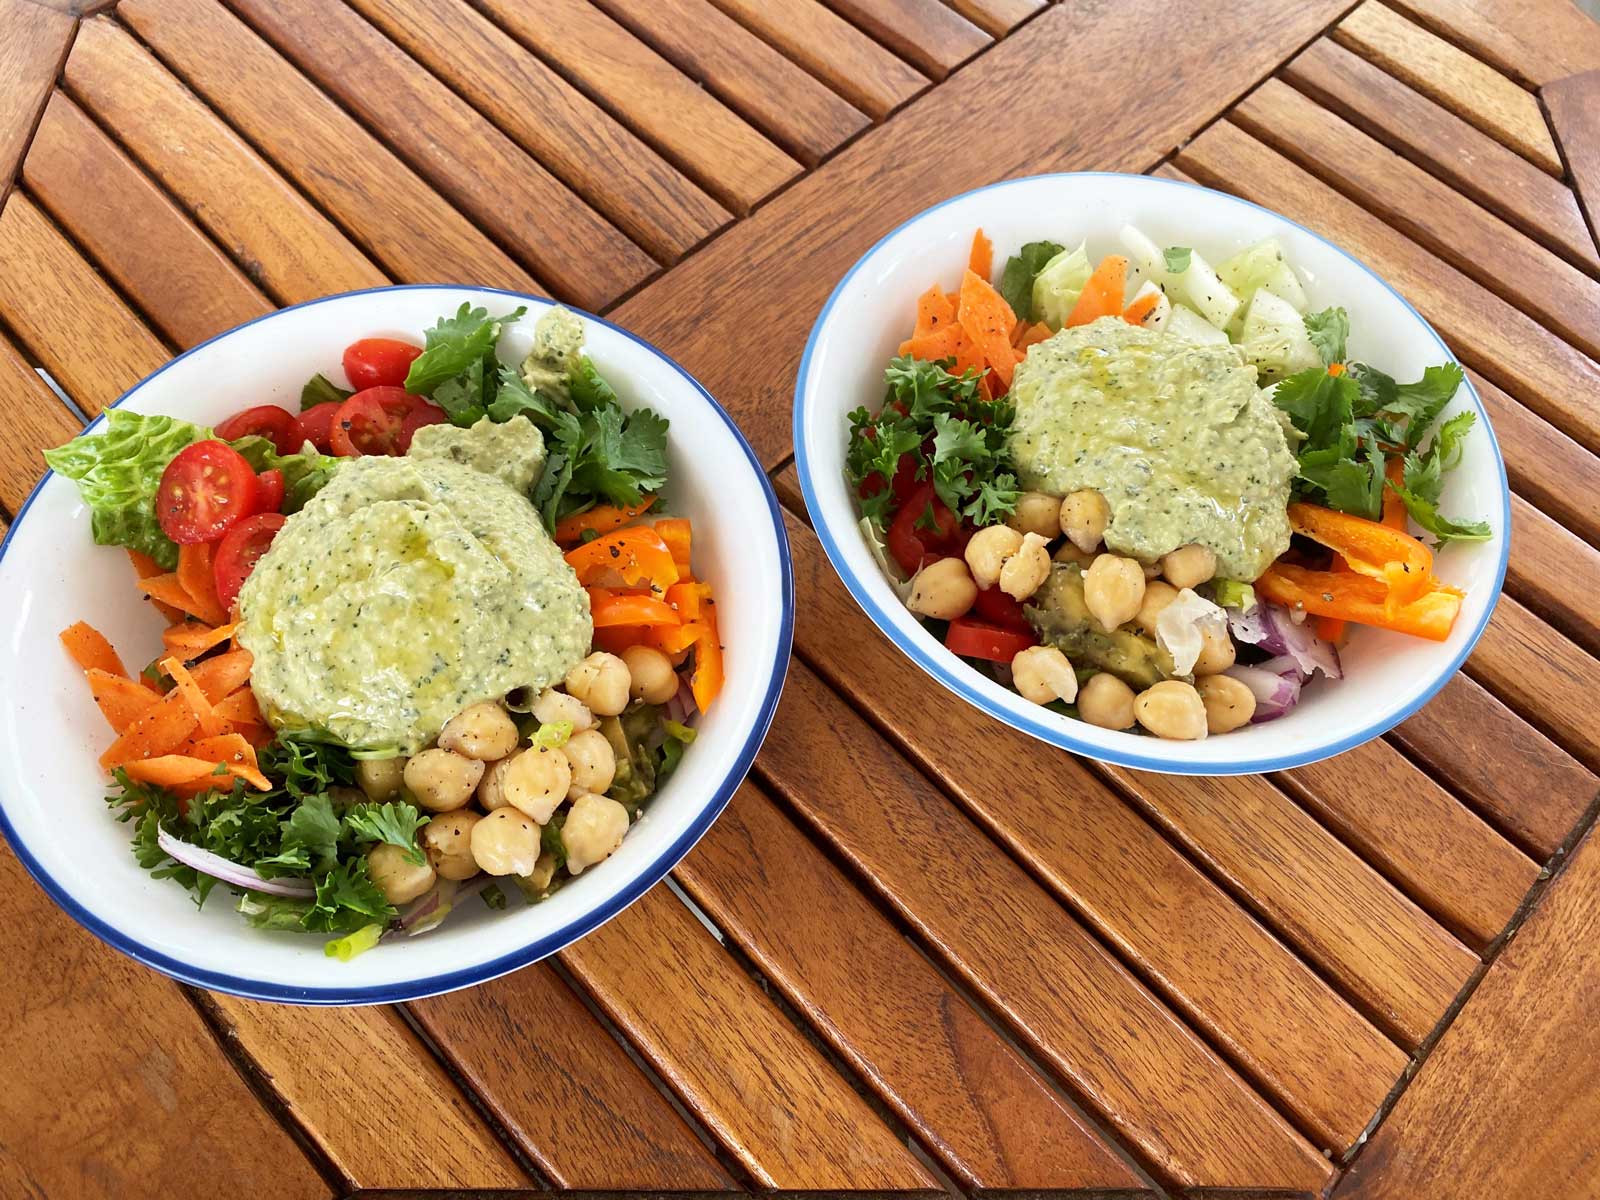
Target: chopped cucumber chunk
1059 284
1273 337
1184 323
1264 265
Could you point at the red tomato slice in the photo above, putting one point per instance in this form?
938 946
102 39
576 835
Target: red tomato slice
373 422
912 546
315 425
205 489
239 552
275 424
378 362
972 638
269 491
423 414
995 606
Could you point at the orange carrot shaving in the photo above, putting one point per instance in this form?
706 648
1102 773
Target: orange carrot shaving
988 321
158 730
205 715
197 578
1033 335
1141 308
145 567
981 260
601 519
121 700
234 753
934 312
190 639
171 771
223 673
1103 295
936 345
240 708
90 649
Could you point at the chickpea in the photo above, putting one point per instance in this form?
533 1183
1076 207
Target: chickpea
594 762
553 706
491 788
602 682
944 590
1043 674
988 551
1113 590
1037 512
1189 566
1107 702
543 872
380 778
1229 703
1171 709
1084 517
1217 651
441 779
536 780
1152 570
397 877
1068 553
505 843
1157 595
1027 569
448 840
594 828
481 731
652 678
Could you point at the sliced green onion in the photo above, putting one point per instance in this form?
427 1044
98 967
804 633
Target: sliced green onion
552 735
682 732
352 944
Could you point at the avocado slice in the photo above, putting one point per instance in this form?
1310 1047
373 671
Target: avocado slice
1061 618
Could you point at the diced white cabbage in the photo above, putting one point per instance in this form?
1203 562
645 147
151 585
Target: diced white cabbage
1156 318
1146 263
1180 625
1201 290
1273 337
1183 323
1264 265
1059 284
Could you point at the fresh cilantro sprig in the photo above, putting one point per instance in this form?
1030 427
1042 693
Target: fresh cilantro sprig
457 368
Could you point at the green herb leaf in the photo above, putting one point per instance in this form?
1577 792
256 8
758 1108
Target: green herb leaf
395 822
604 454
319 389
310 839
304 473
1320 405
1328 331
463 396
515 396
1016 280
1177 258
454 344
348 899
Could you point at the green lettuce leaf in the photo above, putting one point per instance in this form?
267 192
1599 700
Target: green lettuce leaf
319 389
304 472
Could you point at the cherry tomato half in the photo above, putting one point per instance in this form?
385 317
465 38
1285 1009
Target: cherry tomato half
423 414
374 422
912 546
973 638
269 491
205 489
378 362
239 552
315 425
996 607
275 424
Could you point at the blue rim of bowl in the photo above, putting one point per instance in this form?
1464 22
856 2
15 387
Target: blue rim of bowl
948 670
433 985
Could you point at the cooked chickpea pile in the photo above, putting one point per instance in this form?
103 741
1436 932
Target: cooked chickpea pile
1118 591
517 788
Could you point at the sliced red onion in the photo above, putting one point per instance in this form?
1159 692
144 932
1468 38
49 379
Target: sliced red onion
1272 628
1276 690
1249 626
681 707
231 872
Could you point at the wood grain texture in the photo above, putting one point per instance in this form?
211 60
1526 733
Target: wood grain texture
1197 948
1541 676
832 49
1469 88
647 93
750 1076
925 32
31 54
622 177
370 1095
1501 341
111 1075
790 254
51 321
997 17
1555 573
287 248
1460 154
576 252
1574 107
1408 199
1423 839
137 235
579 1108
1519 779
1167 1093
748 75
35 419
1533 41
990 1119
1506 1103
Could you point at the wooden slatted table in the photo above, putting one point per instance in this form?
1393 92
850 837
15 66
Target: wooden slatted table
919 953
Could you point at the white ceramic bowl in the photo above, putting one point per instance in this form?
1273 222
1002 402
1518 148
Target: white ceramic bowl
1387 676
51 788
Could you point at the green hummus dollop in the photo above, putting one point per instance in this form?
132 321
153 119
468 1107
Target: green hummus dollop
409 588
1178 438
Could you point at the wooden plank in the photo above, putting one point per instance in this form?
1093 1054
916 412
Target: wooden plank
587 1115
1520 780
51 322
110 1073
1471 89
369 1094
988 1116
1195 946
1574 107
1518 353
925 32
1506 1103
1168 1094
1555 573
1408 199
1533 41
284 245
644 91
1467 159
789 256
748 75
749 1075
35 419
137 235
833 50
1435 849
997 17
577 253
31 55
637 190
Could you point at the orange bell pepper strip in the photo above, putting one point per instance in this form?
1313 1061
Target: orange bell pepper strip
678 535
637 555
980 261
706 680
1394 508
607 607
988 321
1103 295
602 518
1359 598
1370 548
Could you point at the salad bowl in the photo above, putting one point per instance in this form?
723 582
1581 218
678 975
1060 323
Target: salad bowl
1387 676
52 811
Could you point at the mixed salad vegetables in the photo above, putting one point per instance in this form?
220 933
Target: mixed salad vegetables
517 792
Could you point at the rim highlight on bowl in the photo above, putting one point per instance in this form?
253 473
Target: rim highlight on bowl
51 788
1388 676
